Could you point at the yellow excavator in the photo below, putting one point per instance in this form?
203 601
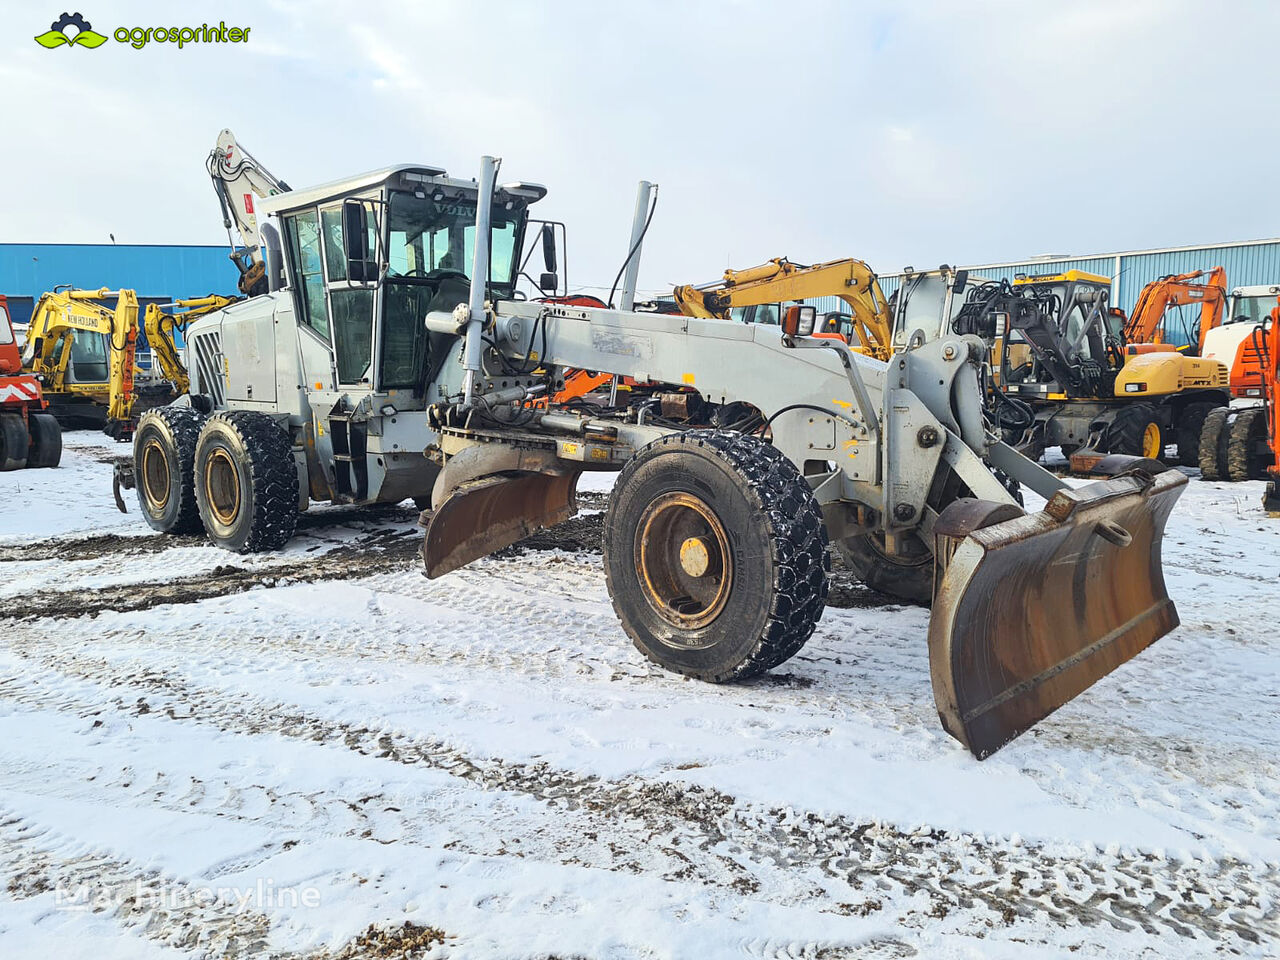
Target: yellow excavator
85 354
780 280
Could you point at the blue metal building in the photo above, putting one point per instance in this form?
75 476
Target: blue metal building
1246 261
158 273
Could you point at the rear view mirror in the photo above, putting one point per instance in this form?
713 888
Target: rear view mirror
962 278
549 281
549 249
361 267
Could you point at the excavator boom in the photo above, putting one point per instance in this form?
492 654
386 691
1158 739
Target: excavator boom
1148 323
160 325
238 178
781 280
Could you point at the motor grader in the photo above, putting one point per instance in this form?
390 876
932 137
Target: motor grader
392 357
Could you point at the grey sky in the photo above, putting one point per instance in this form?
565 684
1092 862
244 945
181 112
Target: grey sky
899 133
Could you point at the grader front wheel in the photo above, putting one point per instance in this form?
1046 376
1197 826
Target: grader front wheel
715 555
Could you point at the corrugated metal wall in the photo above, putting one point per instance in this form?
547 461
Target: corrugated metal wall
154 271
1246 263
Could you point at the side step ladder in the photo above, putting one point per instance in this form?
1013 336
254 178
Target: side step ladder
350 446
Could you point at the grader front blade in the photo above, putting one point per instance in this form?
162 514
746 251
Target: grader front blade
1031 611
487 514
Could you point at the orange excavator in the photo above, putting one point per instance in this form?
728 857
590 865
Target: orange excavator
1269 343
1151 328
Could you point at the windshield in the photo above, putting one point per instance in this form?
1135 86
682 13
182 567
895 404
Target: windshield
1252 310
429 237
6 331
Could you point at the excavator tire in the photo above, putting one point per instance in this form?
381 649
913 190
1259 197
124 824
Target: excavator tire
908 577
164 453
14 442
1136 431
1188 429
245 481
46 440
715 554
1247 452
1213 444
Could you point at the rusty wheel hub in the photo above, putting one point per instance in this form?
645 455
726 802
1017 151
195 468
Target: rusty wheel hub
683 558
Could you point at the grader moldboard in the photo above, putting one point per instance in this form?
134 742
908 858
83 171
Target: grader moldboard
716 535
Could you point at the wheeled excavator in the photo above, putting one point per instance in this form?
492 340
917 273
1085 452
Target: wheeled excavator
1063 373
392 357
29 435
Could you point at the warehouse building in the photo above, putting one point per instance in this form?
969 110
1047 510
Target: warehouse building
1247 262
157 273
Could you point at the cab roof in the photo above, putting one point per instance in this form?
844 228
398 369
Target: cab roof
407 173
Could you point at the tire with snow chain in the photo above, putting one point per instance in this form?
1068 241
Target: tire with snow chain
164 456
46 440
246 483
1188 430
1247 452
715 554
1213 444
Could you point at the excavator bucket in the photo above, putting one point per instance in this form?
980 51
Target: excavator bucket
487 514
1029 612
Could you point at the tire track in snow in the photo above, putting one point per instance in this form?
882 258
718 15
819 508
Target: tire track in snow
1224 899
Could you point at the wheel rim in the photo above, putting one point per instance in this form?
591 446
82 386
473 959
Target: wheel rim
1151 446
222 487
682 556
155 474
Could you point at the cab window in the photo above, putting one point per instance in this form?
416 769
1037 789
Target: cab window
302 232
352 307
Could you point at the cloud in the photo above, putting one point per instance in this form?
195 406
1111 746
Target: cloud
899 133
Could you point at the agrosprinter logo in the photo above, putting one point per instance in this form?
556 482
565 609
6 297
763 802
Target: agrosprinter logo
83 35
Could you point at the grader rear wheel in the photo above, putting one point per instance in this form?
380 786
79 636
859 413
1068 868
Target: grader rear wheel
245 481
715 555
164 452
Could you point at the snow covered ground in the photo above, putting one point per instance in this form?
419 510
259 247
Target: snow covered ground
210 755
